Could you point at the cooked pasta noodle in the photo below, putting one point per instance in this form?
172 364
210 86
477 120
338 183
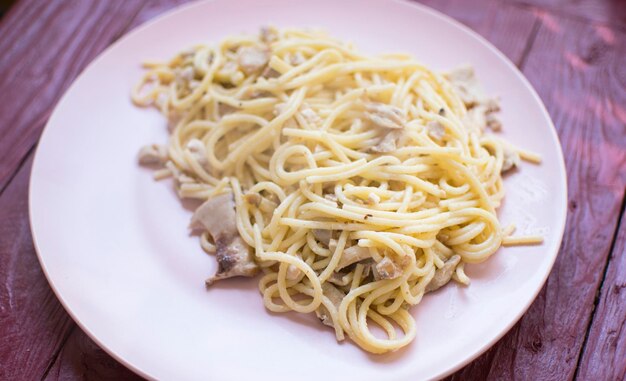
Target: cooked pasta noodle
358 183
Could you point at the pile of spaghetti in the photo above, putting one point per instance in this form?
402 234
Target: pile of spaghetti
354 184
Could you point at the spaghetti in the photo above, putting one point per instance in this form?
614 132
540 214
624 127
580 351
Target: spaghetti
356 184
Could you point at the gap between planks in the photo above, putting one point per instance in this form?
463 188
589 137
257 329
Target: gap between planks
58 351
529 44
596 301
31 151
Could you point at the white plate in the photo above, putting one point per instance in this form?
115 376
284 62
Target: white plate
115 247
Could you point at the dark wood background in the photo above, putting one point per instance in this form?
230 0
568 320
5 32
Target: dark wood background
572 51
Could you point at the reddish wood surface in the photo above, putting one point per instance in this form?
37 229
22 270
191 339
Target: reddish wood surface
605 353
45 45
609 12
33 325
572 51
82 359
508 27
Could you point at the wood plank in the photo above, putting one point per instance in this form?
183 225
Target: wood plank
578 73
612 12
82 359
506 26
55 41
604 356
15 27
40 37
34 324
154 8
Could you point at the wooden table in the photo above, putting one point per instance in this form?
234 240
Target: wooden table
572 51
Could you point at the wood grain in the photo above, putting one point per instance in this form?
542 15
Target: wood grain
55 41
578 73
34 325
154 8
71 36
82 359
604 356
45 45
608 12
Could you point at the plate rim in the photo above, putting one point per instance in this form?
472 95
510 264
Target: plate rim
442 17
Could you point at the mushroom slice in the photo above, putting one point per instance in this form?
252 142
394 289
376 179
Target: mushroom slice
153 154
336 296
387 143
252 58
339 279
353 254
323 236
388 269
481 109
269 73
475 119
444 274
186 74
218 217
297 59
384 115
466 85
511 159
436 130
269 34
310 115
197 150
